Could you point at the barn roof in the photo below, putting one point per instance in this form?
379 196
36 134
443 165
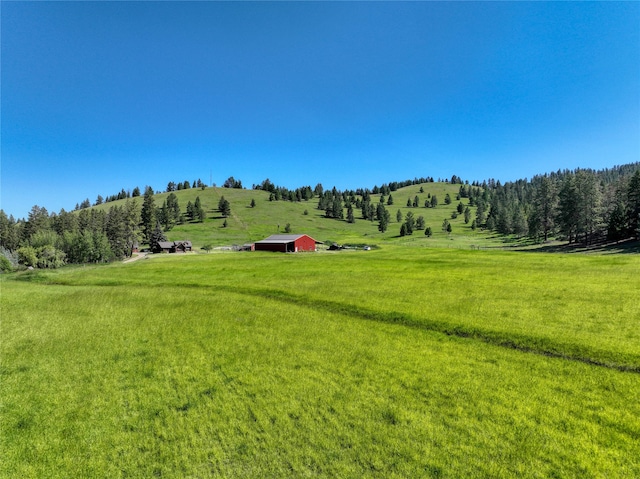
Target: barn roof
283 239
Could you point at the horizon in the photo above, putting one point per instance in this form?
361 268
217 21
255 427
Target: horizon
99 97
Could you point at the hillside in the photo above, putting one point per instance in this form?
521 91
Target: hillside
247 224
580 210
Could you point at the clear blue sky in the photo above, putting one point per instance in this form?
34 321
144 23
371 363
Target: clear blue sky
99 96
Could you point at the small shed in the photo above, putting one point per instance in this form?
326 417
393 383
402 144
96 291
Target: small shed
287 243
172 247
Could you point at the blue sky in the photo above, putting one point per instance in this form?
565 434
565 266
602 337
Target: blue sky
99 96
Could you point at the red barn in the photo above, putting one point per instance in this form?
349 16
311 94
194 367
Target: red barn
287 243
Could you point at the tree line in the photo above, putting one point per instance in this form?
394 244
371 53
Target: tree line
580 206
94 235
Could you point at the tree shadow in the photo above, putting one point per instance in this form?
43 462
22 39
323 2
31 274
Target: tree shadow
631 246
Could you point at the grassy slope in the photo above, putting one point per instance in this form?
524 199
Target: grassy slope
270 365
251 224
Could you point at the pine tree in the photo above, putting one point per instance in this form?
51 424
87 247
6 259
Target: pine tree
384 221
224 207
191 211
568 208
617 224
589 204
633 205
410 222
350 217
198 210
148 214
157 235
545 203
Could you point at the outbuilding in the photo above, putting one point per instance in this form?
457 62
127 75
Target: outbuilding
172 247
287 243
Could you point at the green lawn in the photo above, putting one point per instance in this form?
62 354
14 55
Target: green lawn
399 362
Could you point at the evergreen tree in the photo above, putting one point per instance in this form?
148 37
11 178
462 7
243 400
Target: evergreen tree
428 232
371 212
38 220
519 222
416 201
420 223
336 209
399 216
157 235
115 231
467 215
589 204
434 201
617 224
132 216
545 203
383 224
148 214
224 207
633 205
403 229
410 221
447 199
9 232
364 206
390 200
350 217
162 215
191 212
173 211
253 203
198 210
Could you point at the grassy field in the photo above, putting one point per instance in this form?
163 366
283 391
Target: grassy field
398 362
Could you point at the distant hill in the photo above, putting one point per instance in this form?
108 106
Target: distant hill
583 208
248 224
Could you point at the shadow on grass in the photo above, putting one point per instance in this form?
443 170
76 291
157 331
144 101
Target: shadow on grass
622 247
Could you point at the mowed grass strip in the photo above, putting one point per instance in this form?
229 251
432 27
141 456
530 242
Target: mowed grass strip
181 381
